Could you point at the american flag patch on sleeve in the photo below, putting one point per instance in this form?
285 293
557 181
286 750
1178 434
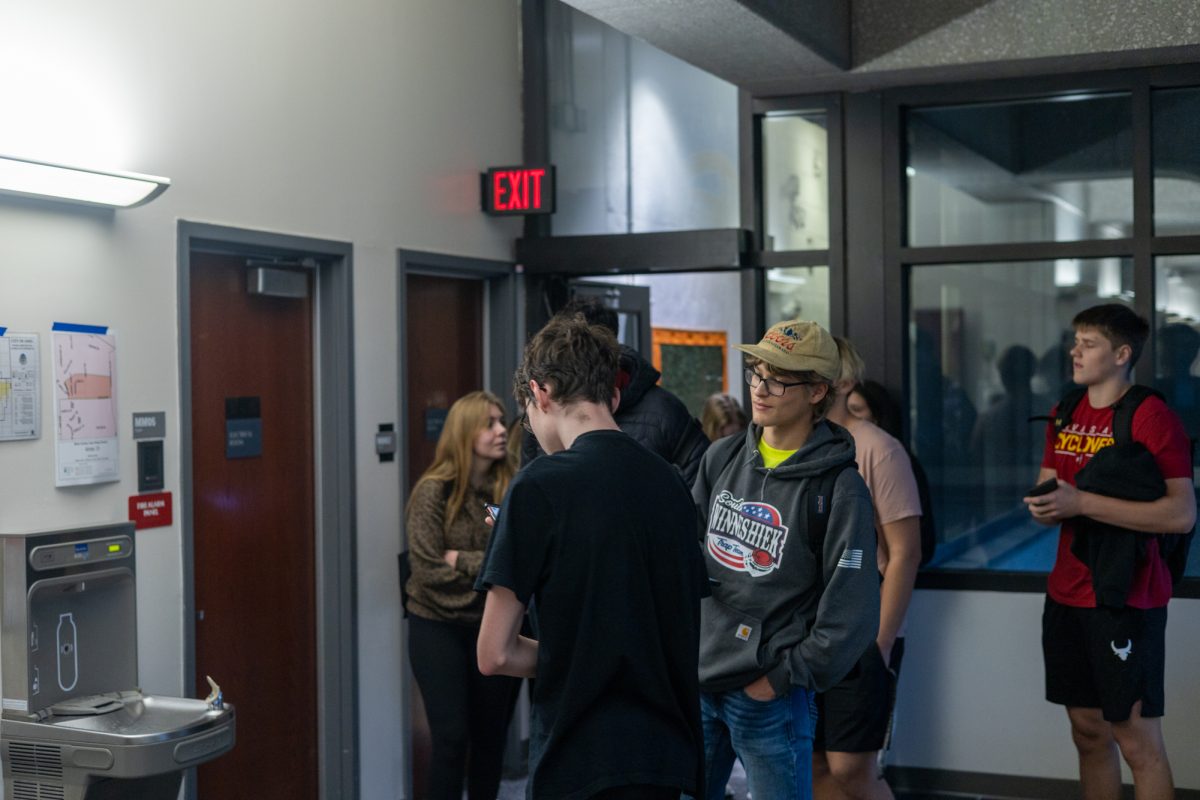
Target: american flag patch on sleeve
851 559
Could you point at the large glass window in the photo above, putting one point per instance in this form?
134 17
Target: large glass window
795 178
1177 373
1177 161
988 349
1053 169
798 293
641 140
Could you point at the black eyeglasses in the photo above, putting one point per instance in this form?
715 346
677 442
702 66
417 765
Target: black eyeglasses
774 388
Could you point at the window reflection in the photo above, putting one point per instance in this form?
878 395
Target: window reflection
1176 161
641 140
795 191
1053 169
798 293
988 349
1177 371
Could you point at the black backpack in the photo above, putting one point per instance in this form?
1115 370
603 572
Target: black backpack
929 537
1172 547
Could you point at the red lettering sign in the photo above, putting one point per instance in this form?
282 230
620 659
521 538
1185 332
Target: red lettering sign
518 190
150 510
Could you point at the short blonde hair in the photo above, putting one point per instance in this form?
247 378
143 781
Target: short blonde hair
853 368
720 410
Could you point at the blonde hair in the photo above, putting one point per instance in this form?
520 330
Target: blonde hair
720 410
853 368
455 452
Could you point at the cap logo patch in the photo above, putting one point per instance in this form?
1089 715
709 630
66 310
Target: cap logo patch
784 340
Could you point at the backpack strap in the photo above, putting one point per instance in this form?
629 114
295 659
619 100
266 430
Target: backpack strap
722 453
1126 407
1066 407
818 501
1123 410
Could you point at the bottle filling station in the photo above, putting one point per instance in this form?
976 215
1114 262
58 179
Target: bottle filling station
75 725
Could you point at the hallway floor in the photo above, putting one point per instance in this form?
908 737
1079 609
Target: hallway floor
515 790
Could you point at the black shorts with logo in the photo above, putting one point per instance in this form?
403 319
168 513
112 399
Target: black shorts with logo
1105 658
853 715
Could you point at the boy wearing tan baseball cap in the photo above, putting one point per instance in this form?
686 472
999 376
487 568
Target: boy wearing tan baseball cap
787 527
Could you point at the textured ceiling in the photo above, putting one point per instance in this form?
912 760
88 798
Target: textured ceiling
784 46
742 42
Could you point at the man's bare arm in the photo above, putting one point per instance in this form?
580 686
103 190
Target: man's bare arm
903 540
501 649
1174 512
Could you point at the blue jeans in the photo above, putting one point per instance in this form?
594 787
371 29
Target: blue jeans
774 740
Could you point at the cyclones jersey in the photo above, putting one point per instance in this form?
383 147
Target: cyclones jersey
1090 429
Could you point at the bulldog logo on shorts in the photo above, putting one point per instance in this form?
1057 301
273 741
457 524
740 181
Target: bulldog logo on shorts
746 536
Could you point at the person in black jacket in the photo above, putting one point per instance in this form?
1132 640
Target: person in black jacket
655 418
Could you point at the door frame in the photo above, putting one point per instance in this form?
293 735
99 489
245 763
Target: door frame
503 308
334 459
502 312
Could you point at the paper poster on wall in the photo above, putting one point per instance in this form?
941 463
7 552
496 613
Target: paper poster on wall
85 404
20 382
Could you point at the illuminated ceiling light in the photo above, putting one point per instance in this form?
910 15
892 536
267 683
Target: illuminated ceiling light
778 275
1067 272
27 178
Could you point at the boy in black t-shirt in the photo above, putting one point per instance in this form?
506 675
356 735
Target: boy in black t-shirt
601 533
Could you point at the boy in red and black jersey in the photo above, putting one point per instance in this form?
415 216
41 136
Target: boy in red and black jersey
1105 664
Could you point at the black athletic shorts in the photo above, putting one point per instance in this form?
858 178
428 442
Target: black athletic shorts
852 716
1105 658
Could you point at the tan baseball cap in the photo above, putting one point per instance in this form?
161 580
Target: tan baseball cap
797 346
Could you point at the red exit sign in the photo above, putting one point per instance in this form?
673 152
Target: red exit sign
518 190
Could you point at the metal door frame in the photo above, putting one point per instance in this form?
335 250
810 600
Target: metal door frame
503 308
334 461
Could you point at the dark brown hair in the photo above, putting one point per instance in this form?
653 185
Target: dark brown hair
574 360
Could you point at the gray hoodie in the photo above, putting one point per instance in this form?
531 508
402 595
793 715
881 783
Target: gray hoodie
769 613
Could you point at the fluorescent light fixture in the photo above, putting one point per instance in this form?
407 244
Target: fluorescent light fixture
779 275
28 178
1067 272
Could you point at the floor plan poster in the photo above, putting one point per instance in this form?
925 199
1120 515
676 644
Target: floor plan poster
20 379
85 404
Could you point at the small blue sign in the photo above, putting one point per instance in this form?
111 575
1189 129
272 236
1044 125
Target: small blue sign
243 438
435 420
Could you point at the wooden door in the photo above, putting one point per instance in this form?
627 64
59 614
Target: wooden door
444 347
444 343
254 530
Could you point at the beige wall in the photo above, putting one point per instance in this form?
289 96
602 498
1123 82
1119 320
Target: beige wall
364 121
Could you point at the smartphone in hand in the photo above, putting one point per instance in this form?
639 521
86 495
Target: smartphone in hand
492 511
1045 487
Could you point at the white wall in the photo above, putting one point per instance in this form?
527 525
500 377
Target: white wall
364 121
972 689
